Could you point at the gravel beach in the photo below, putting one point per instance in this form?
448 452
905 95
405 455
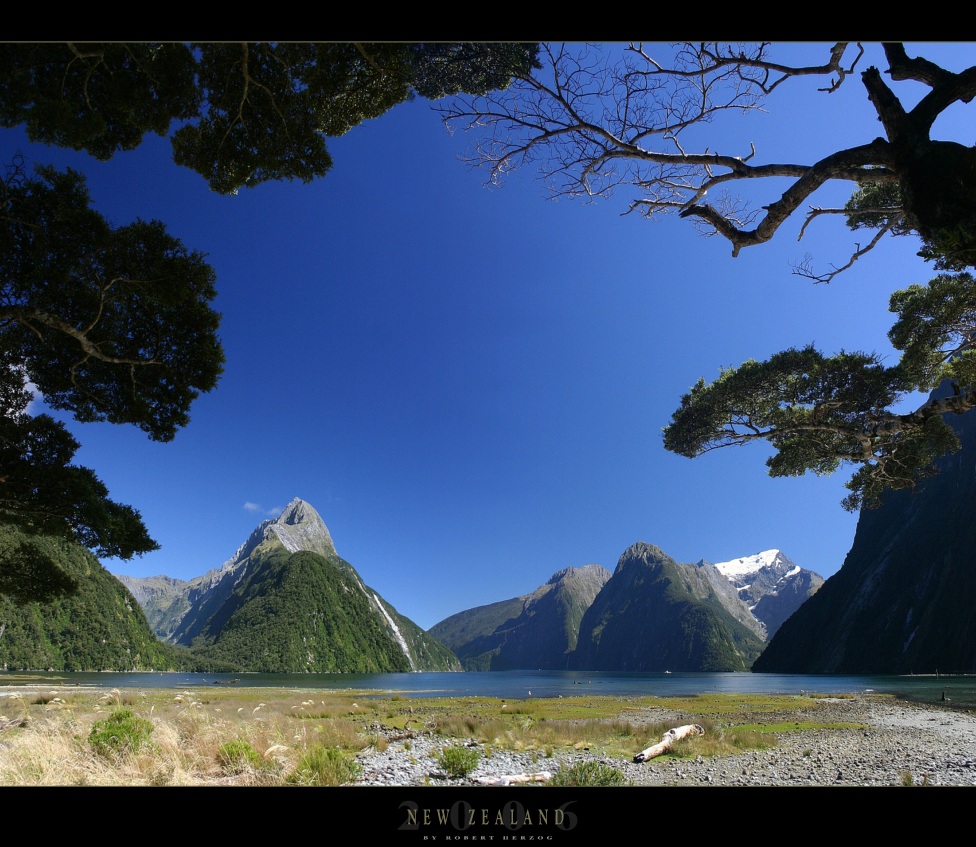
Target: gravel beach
896 743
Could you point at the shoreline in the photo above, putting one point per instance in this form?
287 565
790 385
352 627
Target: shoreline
860 740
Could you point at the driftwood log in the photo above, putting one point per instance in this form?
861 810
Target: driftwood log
672 735
515 778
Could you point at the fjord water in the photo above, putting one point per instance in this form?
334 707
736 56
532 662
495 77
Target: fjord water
959 691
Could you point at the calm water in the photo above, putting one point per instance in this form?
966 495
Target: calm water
960 690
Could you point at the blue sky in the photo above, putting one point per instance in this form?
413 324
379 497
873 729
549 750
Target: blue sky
469 385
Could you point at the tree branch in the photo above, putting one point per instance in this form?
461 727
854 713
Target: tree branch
804 269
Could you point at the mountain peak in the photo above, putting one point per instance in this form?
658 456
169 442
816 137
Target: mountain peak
649 554
299 527
745 565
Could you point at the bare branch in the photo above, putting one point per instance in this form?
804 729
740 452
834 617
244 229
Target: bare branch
596 122
816 211
804 268
596 126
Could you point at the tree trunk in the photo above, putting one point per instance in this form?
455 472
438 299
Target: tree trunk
938 184
667 740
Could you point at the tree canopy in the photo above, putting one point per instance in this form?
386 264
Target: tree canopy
247 113
639 124
106 323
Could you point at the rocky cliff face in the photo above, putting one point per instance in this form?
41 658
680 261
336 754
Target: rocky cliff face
904 600
534 631
655 614
251 610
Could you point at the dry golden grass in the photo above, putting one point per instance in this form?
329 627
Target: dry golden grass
45 737
245 736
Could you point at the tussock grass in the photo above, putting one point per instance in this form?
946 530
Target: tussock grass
121 734
203 736
319 765
588 774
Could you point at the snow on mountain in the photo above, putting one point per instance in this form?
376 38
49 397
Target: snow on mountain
771 585
737 569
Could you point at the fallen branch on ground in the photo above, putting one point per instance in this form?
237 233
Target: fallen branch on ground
664 745
515 779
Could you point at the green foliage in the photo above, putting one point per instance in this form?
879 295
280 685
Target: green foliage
458 761
248 113
321 765
821 412
99 627
441 69
588 774
120 734
238 756
875 205
936 329
101 98
109 323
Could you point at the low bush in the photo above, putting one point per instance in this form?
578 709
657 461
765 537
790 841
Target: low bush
120 734
588 774
238 756
321 765
458 761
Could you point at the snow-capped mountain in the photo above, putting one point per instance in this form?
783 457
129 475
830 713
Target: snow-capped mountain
771 585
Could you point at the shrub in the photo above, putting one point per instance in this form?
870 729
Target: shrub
119 734
458 761
238 756
321 765
588 774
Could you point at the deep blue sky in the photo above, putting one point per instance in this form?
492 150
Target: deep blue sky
469 385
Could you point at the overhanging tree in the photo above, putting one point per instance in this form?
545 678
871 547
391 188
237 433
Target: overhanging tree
106 323
246 113
597 126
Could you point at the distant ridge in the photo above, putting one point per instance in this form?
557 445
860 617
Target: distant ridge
537 630
652 613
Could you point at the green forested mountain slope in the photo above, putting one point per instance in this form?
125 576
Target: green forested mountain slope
300 612
286 602
100 627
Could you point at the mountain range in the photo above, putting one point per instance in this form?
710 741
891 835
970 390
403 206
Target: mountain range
651 613
536 630
286 602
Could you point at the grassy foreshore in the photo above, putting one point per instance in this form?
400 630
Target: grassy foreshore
232 735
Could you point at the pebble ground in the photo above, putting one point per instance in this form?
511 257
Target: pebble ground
896 743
